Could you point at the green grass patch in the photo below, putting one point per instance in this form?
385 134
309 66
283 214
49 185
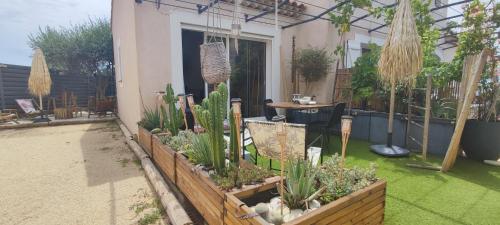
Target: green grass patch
468 194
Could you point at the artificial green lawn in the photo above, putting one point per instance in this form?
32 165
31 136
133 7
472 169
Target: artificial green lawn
468 194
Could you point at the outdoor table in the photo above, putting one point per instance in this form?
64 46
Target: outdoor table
296 106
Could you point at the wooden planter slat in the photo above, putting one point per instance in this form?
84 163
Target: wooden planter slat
194 185
352 210
145 140
164 157
338 205
235 209
365 206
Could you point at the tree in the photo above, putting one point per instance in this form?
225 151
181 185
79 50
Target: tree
83 49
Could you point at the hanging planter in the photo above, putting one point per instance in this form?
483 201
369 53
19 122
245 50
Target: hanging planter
215 67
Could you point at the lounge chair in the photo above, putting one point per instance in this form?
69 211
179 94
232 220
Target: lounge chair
32 110
8 115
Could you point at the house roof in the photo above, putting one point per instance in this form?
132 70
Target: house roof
291 8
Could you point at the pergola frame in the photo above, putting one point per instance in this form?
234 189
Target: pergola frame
200 8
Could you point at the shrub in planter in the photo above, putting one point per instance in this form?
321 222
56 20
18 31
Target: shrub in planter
182 142
330 182
151 119
313 64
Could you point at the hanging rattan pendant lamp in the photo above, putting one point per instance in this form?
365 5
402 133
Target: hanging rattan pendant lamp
400 62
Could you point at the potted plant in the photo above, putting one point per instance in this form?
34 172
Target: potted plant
313 64
364 76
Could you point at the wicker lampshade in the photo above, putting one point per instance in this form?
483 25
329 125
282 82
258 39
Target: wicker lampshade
346 122
401 57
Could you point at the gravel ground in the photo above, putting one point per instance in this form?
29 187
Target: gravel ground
76 174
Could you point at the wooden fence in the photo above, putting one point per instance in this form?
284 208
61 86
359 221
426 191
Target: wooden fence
14 85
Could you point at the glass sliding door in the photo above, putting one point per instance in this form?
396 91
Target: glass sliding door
248 76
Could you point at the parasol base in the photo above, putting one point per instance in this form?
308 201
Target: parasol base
390 151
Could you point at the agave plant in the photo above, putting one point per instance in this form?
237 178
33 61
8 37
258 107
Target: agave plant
300 183
200 151
151 119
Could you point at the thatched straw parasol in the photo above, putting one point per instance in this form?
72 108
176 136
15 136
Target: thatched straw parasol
400 62
39 82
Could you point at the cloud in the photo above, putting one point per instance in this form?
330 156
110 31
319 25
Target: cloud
20 18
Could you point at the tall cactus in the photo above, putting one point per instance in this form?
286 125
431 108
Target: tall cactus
174 119
233 143
211 114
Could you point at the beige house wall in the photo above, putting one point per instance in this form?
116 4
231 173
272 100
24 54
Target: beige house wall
315 34
150 54
126 64
153 48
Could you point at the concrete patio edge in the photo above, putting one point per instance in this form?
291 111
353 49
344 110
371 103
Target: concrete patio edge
176 213
56 123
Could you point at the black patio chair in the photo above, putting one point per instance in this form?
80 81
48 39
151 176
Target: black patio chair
270 113
325 129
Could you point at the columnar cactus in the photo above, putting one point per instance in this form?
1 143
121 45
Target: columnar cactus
173 121
211 114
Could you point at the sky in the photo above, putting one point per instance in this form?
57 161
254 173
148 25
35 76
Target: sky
19 18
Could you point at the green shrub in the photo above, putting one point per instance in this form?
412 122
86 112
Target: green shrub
352 180
235 177
313 63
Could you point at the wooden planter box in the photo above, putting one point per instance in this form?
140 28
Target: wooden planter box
145 140
204 194
164 157
365 206
196 185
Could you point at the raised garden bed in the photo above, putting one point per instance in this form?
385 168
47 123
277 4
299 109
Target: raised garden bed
365 206
145 140
196 183
164 157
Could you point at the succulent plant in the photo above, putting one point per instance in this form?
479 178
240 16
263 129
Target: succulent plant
300 183
173 120
211 114
200 152
183 142
151 119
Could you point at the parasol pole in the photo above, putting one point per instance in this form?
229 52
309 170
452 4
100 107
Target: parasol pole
281 133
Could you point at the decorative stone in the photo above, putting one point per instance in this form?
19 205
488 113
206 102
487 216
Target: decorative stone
294 213
275 203
262 209
275 217
314 204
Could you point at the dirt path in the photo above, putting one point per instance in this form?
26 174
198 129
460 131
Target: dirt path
78 174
